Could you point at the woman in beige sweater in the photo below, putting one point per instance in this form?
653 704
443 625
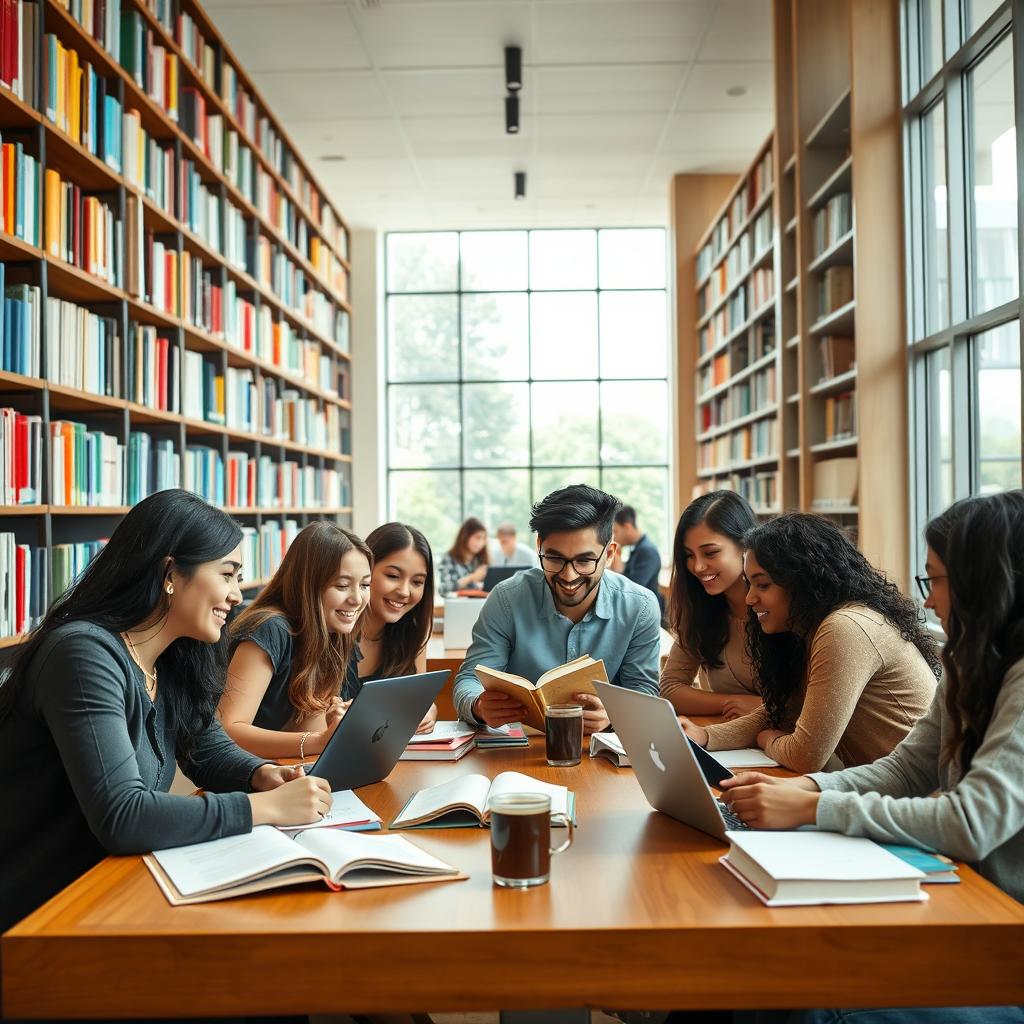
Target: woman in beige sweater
708 670
842 660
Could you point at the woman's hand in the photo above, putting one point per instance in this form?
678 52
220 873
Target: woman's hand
429 720
334 714
765 736
740 705
270 776
298 802
697 733
763 801
478 574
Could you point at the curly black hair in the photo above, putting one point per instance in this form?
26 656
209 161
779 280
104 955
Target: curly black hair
817 563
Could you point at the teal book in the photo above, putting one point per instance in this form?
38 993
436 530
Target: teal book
936 867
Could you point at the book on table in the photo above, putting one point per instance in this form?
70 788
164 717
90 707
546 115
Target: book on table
805 868
608 745
347 812
447 741
556 686
267 858
502 738
464 802
743 758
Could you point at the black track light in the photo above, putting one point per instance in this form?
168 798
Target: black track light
512 114
520 184
513 68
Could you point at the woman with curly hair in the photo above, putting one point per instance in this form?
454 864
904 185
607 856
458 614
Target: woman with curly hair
842 660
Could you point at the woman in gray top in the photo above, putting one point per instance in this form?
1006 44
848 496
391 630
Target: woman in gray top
954 784
118 683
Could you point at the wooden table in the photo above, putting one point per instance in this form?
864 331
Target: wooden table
638 914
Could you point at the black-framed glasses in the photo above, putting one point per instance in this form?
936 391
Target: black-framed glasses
924 584
585 565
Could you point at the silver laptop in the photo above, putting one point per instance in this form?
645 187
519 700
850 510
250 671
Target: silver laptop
667 765
379 723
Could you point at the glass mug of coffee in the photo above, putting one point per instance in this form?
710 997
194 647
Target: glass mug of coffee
521 839
563 733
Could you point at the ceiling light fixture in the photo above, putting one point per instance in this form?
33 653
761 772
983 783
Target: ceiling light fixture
513 68
333 158
520 184
736 90
512 114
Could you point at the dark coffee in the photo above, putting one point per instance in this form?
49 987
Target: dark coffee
520 846
564 736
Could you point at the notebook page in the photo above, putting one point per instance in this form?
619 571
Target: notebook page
515 782
467 789
346 809
340 849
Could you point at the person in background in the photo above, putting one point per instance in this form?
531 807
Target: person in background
708 670
507 550
842 661
291 648
954 784
397 623
568 607
644 562
116 684
464 566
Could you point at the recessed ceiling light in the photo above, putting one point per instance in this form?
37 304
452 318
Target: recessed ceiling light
736 90
333 158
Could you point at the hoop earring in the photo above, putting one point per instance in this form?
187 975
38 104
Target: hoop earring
170 589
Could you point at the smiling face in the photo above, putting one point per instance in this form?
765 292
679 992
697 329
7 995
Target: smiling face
569 587
345 597
939 600
769 602
716 560
201 602
397 584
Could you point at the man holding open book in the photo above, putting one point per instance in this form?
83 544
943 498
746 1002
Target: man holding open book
567 608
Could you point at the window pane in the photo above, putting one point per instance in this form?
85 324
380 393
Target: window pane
431 501
547 480
493 260
423 337
978 12
647 491
633 258
935 217
564 423
494 337
634 334
496 418
563 259
938 432
997 460
423 262
634 422
424 421
563 335
931 38
994 160
500 495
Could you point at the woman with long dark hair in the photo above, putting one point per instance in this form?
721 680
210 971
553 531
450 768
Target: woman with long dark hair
843 663
118 682
954 784
399 618
464 565
708 671
291 648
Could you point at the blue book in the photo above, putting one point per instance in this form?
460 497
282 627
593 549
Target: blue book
936 867
8 361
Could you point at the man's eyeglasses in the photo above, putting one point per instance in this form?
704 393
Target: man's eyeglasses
924 584
585 565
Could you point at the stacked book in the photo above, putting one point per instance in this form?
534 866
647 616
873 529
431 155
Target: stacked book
447 741
501 739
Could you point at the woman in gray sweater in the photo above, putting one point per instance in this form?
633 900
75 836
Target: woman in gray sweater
118 683
954 784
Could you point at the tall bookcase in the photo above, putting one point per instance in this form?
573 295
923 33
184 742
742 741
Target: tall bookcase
215 251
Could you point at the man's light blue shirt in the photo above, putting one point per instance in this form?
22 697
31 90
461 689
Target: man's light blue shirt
520 630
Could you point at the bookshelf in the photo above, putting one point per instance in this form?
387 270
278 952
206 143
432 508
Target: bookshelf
175 289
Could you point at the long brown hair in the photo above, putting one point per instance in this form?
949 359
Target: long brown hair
459 550
403 640
295 591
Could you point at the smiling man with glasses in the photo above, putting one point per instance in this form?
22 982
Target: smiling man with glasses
542 618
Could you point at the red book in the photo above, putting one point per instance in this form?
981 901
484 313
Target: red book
233 483
162 354
19 589
169 303
20 456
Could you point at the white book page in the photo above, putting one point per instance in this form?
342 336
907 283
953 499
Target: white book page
607 739
346 809
516 782
340 850
744 757
444 731
202 867
470 790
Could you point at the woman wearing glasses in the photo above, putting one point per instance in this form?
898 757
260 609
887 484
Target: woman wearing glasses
842 661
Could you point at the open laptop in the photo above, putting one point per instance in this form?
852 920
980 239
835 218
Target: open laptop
460 615
375 730
666 762
499 573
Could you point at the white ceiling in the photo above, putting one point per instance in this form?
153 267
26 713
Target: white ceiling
618 95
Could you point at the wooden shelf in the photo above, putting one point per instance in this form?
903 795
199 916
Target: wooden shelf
792 453
839 321
839 444
833 130
792 224
738 377
839 181
790 164
793 399
840 253
736 424
793 342
736 467
758 314
767 510
833 385
835 510
88 510
22 510
12 641
792 284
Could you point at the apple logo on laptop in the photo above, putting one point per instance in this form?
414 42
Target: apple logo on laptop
380 730
656 758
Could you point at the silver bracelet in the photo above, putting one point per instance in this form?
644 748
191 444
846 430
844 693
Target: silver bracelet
302 743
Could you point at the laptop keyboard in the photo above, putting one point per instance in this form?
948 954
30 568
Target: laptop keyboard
732 822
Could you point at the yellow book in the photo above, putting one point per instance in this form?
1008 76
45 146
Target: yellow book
218 392
52 212
172 86
74 107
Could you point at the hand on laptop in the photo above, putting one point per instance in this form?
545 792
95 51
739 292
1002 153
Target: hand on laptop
334 714
697 733
595 718
763 801
740 705
497 709
429 720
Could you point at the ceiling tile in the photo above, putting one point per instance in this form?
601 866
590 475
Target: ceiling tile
740 30
707 85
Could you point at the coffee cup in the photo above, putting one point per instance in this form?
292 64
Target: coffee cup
521 839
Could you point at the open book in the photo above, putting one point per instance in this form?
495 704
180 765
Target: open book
607 744
463 802
557 686
266 858
792 869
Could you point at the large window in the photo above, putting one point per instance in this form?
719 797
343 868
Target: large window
963 96
521 361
